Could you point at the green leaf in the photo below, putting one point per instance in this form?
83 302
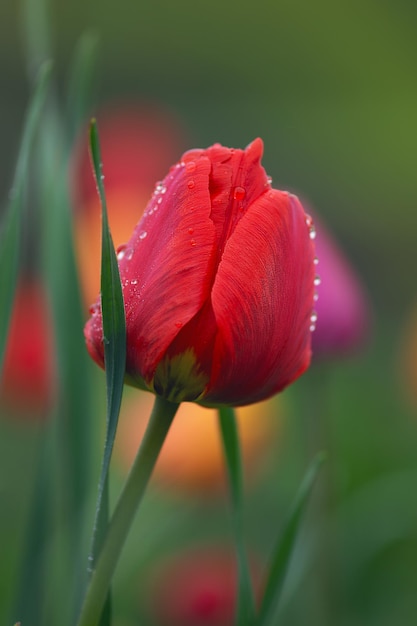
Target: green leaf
10 235
245 612
284 548
114 337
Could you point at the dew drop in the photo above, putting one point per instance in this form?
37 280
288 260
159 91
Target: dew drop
121 251
269 180
142 234
190 166
317 281
159 200
309 220
160 188
134 282
313 317
191 184
312 232
239 193
128 254
193 242
178 324
312 327
316 260
93 309
190 231
316 296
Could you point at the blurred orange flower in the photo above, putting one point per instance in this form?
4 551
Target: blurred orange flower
28 378
138 143
192 455
408 357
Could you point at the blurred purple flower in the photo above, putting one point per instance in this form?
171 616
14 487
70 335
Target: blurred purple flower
343 313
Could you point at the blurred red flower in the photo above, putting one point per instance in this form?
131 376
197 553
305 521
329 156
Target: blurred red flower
197 588
28 378
218 283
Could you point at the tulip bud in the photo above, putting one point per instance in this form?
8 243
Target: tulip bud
218 284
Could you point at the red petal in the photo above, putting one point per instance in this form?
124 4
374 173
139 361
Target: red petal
167 268
262 300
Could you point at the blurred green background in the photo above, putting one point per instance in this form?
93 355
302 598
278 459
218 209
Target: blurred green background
331 88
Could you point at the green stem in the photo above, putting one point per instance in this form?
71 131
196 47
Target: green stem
245 613
161 418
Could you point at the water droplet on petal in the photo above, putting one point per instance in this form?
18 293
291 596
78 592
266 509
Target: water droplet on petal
128 254
313 317
316 296
312 232
239 193
142 234
316 261
178 324
191 184
190 166
190 231
312 327
120 252
160 188
269 180
134 282
317 281
193 242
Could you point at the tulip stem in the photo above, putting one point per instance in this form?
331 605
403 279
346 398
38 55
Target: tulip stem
159 423
245 610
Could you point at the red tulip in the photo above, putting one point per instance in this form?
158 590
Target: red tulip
218 284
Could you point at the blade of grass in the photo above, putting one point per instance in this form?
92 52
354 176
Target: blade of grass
114 337
70 456
285 545
10 236
245 612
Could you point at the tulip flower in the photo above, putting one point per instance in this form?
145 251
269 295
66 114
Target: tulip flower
28 380
218 284
342 306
